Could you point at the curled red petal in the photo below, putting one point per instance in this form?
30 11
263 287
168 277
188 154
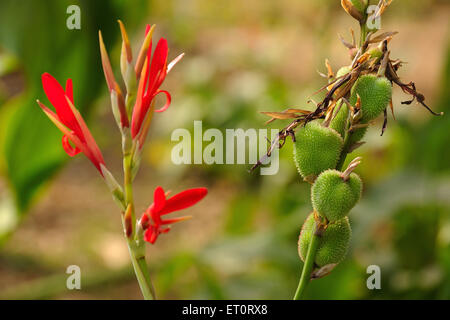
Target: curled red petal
168 100
71 151
184 199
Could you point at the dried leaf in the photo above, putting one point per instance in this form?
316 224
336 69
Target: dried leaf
324 271
383 36
281 115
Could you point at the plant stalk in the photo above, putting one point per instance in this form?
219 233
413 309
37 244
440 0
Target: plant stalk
141 270
135 246
309 263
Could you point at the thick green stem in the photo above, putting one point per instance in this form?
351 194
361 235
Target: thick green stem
309 263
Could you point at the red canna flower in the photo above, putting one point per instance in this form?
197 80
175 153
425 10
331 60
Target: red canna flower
69 121
154 71
151 220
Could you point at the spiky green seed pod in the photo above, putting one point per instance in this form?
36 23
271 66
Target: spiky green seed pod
333 244
340 120
375 93
334 195
317 148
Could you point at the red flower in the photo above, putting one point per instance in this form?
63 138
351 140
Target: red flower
69 121
151 219
154 71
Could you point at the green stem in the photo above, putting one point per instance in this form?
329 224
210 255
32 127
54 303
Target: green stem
363 33
309 263
344 152
141 271
136 247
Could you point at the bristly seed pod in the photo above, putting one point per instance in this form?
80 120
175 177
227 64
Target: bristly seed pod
340 118
375 94
335 193
333 244
317 148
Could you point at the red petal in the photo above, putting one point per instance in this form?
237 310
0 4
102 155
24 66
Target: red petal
168 100
138 116
69 89
71 151
184 199
175 220
57 96
159 199
150 235
92 150
158 66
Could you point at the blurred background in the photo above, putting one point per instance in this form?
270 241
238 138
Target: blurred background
242 57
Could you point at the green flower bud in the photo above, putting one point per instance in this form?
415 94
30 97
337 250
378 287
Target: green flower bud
317 148
334 194
333 244
375 93
340 120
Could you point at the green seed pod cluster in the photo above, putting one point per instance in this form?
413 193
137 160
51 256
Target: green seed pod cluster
317 148
375 94
333 244
333 194
340 120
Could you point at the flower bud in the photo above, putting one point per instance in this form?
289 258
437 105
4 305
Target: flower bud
126 57
106 64
118 108
375 94
136 160
333 244
333 195
317 148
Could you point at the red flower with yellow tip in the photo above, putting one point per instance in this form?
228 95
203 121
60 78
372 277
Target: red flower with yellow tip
69 121
151 220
